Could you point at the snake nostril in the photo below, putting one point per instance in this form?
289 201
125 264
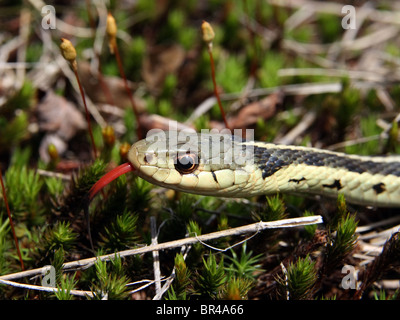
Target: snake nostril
150 158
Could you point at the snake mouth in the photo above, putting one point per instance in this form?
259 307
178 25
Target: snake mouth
150 166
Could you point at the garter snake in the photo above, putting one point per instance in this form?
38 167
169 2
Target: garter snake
225 166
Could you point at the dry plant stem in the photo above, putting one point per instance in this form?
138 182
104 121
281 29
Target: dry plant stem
11 221
90 17
251 228
156 257
103 84
86 111
254 59
80 293
128 90
25 20
46 289
170 279
148 284
69 54
215 85
298 130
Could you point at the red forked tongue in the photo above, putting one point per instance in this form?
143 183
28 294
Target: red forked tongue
108 177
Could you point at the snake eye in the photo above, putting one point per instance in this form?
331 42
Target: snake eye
187 163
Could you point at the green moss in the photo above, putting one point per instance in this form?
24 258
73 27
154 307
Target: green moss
110 283
182 285
342 240
12 132
245 265
211 278
299 280
368 127
231 74
392 49
268 73
67 283
23 188
329 27
309 229
121 234
133 57
274 209
5 246
301 34
60 236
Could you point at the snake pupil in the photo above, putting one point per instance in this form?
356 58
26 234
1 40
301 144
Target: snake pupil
187 163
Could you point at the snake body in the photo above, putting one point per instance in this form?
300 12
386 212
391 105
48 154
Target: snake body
223 165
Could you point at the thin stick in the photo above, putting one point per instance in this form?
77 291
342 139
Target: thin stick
46 289
104 86
11 221
216 93
130 94
90 17
208 37
87 113
298 130
255 227
156 257
148 284
111 30
170 279
69 53
252 34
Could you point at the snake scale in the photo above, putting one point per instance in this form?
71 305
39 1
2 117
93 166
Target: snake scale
225 166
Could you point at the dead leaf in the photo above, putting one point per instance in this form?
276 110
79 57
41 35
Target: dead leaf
60 120
59 116
251 113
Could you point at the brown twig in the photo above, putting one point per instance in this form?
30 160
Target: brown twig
103 84
128 90
216 88
112 32
69 54
87 114
251 228
208 36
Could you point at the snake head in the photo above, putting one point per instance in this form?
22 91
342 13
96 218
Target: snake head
200 163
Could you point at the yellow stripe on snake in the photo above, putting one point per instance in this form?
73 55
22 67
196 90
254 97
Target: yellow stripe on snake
225 166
